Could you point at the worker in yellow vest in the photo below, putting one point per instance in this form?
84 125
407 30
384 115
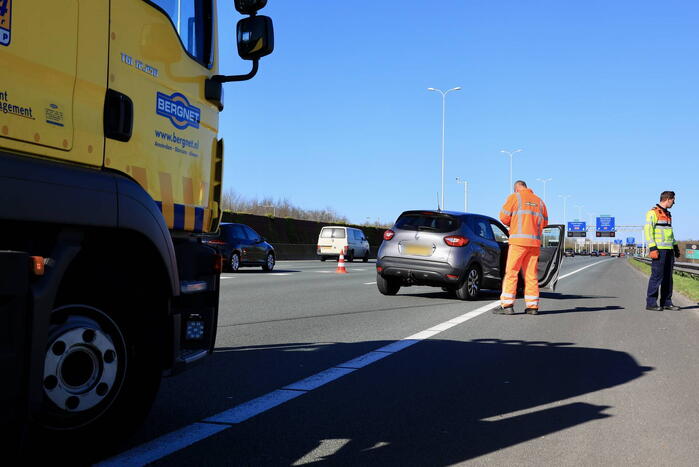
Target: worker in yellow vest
663 251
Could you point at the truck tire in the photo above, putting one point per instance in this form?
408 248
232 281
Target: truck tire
470 288
101 376
387 285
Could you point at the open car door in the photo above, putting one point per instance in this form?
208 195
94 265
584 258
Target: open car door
551 256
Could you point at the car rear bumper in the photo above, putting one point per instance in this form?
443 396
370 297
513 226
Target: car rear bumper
419 271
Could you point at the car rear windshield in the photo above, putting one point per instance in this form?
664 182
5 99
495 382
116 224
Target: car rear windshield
332 233
432 222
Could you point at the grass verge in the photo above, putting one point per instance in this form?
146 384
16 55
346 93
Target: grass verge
688 286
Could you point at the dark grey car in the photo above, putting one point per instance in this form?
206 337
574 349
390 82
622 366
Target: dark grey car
460 252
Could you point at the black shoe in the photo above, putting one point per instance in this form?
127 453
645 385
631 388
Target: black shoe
532 311
672 308
504 310
654 308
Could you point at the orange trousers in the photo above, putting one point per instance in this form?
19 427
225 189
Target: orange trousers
526 258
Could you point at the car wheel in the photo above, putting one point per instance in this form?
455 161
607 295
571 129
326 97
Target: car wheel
387 285
471 287
323 258
350 256
234 263
366 257
269 263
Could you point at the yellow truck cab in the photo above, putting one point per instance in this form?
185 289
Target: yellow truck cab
110 174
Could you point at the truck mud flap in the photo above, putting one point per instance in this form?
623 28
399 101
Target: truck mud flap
14 293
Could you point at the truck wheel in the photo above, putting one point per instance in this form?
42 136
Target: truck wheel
471 287
100 378
269 262
387 285
234 263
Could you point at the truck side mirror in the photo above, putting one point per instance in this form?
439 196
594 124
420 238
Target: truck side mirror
255 36
249 7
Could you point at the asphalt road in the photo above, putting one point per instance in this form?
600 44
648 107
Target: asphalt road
595 380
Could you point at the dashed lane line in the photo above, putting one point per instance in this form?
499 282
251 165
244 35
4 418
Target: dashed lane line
191 434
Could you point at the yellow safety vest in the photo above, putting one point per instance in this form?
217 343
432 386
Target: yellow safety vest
658 229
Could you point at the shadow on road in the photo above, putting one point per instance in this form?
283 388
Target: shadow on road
582 309
438 402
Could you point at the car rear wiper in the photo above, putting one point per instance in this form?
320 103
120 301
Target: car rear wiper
425 227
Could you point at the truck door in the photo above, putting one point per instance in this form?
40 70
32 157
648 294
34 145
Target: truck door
53 70
160 129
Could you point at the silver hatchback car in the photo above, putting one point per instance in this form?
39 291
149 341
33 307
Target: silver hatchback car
460 252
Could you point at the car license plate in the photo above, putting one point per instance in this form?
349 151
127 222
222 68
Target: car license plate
417 250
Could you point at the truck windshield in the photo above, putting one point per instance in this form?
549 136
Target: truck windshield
192 21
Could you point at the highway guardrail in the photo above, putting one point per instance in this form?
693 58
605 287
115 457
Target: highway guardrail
689 269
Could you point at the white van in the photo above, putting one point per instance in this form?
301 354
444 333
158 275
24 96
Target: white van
334 240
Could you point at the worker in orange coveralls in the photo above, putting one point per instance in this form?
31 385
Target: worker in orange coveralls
526 216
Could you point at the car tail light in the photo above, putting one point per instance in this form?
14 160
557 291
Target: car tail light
216 242
455 240
379 269
388 234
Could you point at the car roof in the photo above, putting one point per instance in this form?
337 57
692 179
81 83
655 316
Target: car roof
450 213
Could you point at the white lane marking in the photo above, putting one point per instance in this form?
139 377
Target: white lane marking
227 277
584 267
278 274
319 379
175 441
165 445
327 448
249 409
364 360
370 283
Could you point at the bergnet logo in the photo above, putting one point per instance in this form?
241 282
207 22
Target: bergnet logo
178 110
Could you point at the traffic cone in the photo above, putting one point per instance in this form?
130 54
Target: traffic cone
341 264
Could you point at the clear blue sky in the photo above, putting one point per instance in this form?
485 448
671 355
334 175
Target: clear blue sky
602 96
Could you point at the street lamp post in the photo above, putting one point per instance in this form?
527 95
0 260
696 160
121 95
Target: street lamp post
465 183
511 153
565 203
579 206
444 96
544 181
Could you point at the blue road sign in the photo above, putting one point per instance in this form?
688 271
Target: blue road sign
605 224
630 240
577 226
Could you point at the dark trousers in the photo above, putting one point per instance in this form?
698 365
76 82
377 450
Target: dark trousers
661 277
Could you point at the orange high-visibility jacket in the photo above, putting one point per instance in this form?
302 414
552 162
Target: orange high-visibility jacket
526 216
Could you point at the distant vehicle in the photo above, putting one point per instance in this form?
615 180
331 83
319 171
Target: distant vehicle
583 253
462 253
241 246
349 241
615 249
594 253
569 252
622 254
604 253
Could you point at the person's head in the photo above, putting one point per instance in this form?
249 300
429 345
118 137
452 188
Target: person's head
667 199
520 185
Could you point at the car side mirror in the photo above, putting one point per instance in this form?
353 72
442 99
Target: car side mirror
255 37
